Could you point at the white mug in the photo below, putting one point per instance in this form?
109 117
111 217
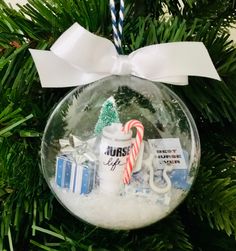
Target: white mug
114 151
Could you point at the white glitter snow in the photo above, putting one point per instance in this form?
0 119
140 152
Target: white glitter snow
117 212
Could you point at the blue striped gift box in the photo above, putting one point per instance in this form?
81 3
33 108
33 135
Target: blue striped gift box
75 177
64 166
87 181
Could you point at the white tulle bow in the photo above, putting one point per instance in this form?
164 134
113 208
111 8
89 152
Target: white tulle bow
79 57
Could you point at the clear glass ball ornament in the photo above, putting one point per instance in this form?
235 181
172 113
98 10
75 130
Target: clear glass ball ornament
85 152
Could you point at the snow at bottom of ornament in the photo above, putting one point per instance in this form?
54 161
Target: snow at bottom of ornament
119 212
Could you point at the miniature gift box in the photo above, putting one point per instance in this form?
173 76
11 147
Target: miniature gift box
179 179
86 178
77 178
75 166
65 167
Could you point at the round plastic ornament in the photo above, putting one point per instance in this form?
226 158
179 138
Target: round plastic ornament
120 153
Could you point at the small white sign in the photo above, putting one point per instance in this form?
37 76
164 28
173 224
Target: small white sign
167 151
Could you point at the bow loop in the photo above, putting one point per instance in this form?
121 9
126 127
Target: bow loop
84 50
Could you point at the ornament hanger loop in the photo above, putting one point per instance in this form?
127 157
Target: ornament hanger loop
117 24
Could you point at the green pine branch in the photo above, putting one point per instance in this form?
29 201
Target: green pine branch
216 102
169 234
216 13
216 183
27 218
22 196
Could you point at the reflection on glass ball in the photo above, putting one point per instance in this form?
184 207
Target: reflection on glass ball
86 152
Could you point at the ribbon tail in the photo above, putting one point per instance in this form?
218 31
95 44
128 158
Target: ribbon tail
54 72
174 80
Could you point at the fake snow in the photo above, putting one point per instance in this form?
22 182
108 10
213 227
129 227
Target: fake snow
119 212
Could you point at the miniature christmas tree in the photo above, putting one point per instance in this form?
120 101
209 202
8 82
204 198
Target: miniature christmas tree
108 115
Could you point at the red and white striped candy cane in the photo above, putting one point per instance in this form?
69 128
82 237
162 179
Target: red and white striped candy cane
135 149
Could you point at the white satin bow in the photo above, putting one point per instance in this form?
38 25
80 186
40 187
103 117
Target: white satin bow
79 57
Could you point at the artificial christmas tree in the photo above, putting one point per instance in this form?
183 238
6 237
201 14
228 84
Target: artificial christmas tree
108 115
30 217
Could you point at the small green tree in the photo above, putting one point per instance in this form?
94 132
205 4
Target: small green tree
108 115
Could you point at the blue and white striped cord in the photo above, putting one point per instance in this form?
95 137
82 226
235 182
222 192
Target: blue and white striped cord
117 25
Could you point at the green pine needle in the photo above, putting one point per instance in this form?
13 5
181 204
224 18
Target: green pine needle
216 188
30 219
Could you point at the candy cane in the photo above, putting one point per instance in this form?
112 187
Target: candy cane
135 149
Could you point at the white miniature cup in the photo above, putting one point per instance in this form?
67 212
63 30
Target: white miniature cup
114 150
